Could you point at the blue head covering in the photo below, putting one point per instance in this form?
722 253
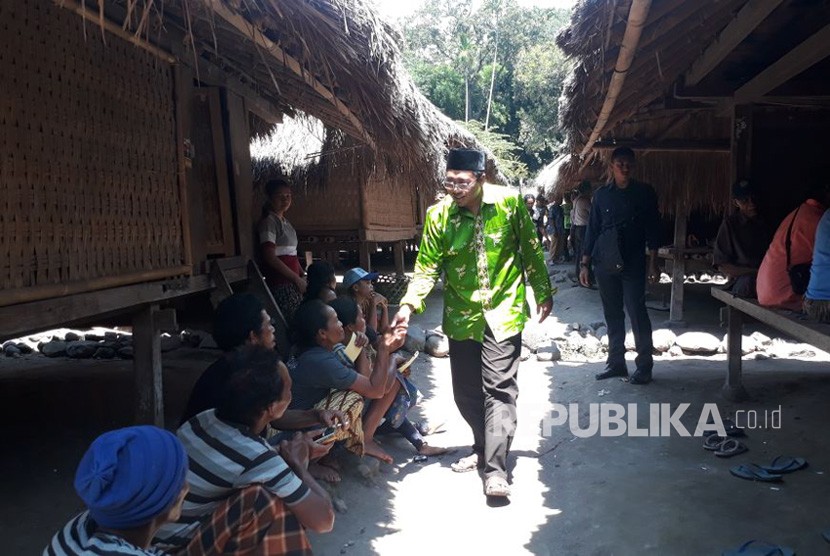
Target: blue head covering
129 476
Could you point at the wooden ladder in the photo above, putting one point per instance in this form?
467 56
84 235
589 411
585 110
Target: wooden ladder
255 284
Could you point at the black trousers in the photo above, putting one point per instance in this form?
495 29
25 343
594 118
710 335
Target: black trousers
626 289
485 390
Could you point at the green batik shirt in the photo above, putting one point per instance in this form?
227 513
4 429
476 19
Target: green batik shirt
484 259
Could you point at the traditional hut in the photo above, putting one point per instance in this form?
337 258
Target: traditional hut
125 174
707 92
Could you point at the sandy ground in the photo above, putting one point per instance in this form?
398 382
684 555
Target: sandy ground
581 496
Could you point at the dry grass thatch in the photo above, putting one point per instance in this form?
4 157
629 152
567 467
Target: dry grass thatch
675 34
335 60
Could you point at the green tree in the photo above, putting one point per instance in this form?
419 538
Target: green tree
457 49
540 76
502 147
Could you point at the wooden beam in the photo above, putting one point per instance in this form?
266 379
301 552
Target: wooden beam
106 25
28 318
805 55
678 275
637 16
810 332
283 58
733 388
397 255
241 173
212 74
666 145
149 394
750 16
382 236
741 139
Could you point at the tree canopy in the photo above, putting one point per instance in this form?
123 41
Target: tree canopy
458 51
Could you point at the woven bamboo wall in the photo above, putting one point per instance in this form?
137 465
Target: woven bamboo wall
88 172
391 202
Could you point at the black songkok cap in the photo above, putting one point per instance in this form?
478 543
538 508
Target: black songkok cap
465 159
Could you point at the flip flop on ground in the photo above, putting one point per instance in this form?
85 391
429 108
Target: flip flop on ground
785 464
752 472
759 548
730 447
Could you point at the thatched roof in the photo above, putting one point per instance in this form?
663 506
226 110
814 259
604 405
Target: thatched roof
675 34
335 60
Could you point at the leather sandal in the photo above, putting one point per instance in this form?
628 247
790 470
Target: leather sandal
468 463
496 486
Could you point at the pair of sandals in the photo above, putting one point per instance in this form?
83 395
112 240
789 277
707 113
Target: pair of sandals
772 473
495 485
724 446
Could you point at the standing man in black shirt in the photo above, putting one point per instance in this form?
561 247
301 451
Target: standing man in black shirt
623 223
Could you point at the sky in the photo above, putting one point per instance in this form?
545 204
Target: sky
394 9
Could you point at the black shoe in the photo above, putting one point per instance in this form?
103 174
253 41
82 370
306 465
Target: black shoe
640 377
611 373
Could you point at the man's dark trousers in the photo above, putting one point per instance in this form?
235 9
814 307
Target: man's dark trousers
485 390
626 289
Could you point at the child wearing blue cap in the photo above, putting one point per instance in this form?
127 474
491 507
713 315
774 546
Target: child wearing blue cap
358 283
132 482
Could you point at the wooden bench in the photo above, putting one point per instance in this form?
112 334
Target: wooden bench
799 327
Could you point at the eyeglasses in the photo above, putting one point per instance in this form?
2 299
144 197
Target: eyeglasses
461 185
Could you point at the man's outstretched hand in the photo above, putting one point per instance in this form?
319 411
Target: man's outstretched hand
544 309
402 317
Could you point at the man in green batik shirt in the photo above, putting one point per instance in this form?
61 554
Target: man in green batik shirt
481 237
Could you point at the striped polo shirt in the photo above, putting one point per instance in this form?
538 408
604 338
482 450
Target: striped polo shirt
225 457
78 538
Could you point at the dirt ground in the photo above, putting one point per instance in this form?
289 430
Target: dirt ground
571 496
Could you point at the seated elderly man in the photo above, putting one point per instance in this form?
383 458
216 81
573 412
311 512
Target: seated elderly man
244 495
742 241
242 321
132 481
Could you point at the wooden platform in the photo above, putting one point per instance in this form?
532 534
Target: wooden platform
792 324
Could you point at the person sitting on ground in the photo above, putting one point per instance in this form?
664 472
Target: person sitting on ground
322 282
321 379
773 284
244 493
132 481
817 298
358 283
241 321
390 410
742 241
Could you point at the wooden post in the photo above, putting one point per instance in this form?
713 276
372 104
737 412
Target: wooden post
365 255
397 255
149 398
678 274
733 390
193 197
741 162
240 172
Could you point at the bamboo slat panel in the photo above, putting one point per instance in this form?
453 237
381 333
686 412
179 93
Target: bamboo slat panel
88 168
391 203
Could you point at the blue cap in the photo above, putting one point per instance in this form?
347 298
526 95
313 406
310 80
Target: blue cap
357 274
